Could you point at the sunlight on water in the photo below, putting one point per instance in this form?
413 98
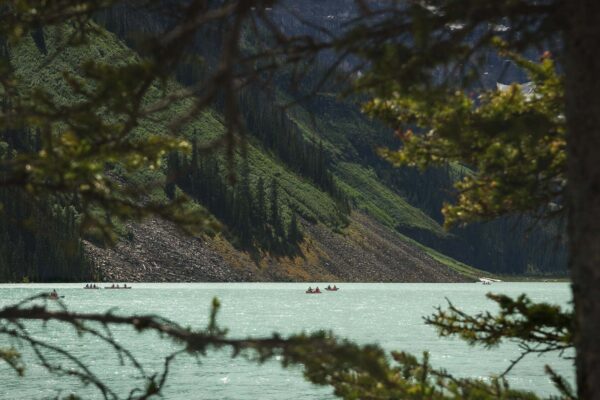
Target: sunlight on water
388 314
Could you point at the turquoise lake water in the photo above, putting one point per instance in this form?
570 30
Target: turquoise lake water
387 314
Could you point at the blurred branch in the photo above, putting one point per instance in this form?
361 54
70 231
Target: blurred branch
353 371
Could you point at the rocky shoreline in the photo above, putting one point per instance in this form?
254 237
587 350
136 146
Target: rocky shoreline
365 252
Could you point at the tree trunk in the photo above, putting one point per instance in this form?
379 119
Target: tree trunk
582 67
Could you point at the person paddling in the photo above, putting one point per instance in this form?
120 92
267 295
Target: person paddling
309 290
53 294
317 290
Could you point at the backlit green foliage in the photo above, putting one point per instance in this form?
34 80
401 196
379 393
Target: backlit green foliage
514 142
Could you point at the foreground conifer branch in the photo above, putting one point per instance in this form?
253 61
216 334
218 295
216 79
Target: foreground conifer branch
352 371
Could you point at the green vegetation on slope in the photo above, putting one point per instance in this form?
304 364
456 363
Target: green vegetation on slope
295 192
410 201
371 196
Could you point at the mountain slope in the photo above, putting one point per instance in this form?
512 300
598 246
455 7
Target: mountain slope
392 233
406 200
363 250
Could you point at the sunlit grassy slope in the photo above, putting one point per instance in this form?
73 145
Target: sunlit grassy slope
348 135
377 200
295 191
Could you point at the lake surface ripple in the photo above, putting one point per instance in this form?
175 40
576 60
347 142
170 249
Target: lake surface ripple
388 314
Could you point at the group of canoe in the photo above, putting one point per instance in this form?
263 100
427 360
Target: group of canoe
113 286
53 295
329 288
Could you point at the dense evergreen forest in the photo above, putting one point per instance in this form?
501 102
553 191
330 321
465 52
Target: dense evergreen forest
252 214
39 237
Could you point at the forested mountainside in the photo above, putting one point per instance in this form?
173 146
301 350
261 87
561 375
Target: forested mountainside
312 199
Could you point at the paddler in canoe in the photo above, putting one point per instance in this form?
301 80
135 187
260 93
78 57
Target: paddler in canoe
91 286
